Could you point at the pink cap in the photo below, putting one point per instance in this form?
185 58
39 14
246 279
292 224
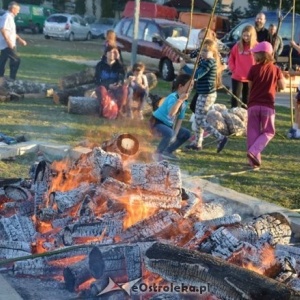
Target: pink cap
263 47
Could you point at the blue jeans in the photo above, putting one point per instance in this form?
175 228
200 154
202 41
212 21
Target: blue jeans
167 133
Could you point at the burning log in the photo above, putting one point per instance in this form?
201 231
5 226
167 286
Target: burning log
80 78
225 280
10 249
17 228
67 200
149 227
124 144
17 193
158 178
119 261
76 274
80 105
109 226
62 96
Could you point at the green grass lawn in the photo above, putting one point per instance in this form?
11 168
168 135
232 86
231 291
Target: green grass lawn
40 119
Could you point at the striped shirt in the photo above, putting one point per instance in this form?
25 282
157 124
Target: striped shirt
205 76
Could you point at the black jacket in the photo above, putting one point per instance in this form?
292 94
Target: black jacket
106 74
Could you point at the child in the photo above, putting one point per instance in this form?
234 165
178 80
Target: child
208 76
137 88
264 79
164 117
111 41
240 61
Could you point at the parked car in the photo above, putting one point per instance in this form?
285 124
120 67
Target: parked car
32 17
100 27
68 27
151 33
285 32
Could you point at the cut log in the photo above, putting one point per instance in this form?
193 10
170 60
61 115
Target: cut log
119 261
125 144
83 105
17 193
225 280
62 96
80 78
76 274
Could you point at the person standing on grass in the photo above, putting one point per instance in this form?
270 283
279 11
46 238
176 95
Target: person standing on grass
208 78
8 38
239 63
275 40
264 79
164 118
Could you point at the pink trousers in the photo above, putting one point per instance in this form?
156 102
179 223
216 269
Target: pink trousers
260 129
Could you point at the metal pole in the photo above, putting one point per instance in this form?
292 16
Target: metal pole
135 32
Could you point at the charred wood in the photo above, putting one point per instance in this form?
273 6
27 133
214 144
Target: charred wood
10 249
76 274
17 193
225 280
119 261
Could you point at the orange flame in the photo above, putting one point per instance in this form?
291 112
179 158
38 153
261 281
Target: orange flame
85 285
66 261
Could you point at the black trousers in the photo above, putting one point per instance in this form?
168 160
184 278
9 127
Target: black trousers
239 88
14 62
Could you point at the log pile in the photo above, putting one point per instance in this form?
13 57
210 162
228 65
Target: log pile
101 220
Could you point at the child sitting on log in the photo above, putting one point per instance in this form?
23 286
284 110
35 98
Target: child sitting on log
138 89
111 89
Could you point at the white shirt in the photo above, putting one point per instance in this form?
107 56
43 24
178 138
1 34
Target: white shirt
7 21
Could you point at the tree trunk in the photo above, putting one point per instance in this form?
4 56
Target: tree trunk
76 79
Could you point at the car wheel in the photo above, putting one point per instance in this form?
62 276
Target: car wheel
89 36
71 37
167 70
36 29
47 37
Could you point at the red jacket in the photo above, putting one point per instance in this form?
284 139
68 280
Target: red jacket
239 63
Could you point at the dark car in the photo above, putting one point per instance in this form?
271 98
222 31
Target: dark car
150 46
285 32
100 27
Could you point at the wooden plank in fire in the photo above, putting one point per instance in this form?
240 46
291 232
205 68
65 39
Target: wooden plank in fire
149 227
17 228
118 261
109 227
225 280
68 199
161 178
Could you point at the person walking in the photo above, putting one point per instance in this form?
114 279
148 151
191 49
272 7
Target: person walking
163 120
264 79
239 63
275 40
208 78
261 31
8 38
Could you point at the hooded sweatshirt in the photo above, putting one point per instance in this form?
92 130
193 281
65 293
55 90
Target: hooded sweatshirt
240 62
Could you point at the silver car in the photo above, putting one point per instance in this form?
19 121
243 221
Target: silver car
68 27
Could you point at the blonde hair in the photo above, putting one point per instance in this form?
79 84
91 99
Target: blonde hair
210 33
253 37
211 45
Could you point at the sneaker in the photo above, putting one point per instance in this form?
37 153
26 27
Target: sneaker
291 133
170 156
193 147
254 160
222 144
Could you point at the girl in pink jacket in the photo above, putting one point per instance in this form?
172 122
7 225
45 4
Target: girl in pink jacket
240 61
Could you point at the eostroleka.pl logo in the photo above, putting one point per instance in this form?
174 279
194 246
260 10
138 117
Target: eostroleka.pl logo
133 287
